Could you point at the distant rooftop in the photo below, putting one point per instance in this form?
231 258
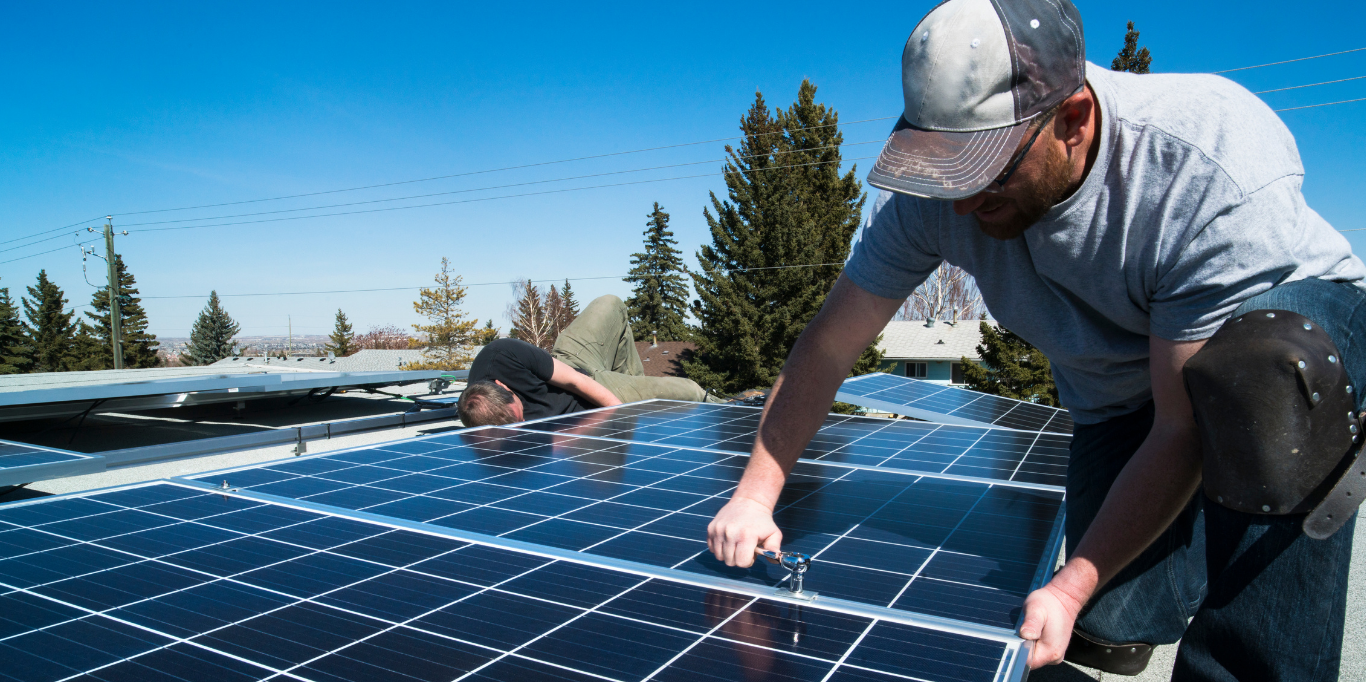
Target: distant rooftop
918 340
664 360
368 360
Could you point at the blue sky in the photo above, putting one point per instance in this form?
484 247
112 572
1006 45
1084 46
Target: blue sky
118 109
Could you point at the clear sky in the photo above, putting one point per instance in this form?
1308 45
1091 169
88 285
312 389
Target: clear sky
116 108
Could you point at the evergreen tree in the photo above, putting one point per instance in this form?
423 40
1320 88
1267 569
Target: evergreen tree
89 353
1012 368
449 334
570 310
139 347
343 337
16 355
487 335
212 334
530 322
50 331
787 205
659 298
554 312
1132 58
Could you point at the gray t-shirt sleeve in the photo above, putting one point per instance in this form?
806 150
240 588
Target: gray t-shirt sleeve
1245 250
891 257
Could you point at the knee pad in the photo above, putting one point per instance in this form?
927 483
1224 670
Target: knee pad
1279 432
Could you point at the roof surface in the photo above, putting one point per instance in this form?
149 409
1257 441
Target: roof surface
663 360
912 339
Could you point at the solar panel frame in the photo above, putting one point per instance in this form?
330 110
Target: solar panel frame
23 463
950 404
632 534
868 653
1042 464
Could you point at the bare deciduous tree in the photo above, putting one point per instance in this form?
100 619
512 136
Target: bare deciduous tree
950 293
530 319
387 337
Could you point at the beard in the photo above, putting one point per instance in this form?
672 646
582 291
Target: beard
1036 196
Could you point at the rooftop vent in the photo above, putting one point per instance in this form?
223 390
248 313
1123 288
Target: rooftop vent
929 323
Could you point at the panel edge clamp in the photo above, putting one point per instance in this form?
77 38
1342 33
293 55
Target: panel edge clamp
795 562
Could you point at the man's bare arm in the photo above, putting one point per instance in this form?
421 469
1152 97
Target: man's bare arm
1147 496
571 380
822 357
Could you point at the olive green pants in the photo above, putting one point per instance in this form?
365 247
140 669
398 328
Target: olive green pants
599 341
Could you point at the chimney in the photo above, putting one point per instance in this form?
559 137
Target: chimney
654 339
929 324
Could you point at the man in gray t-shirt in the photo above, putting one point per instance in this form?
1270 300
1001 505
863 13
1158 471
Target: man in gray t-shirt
1116 221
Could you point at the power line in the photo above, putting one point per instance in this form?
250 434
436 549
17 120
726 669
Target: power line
489 187
42 253
1325 104
1296 87
1301 59
57 229
470 201
475 284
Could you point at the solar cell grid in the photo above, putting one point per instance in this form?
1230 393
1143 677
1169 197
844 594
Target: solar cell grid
882 538
949 404
24 463
319 596
1031 458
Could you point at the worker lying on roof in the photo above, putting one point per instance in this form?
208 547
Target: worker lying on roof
594 364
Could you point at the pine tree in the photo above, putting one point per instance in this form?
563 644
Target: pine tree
16 355
139 347
343 337
659 298
212 334
487 335
571 305
788 205
449 333
50 331
529 320
1132 58
554 312
89 352
1011 367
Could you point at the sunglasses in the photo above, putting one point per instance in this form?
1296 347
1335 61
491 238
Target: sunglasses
999 184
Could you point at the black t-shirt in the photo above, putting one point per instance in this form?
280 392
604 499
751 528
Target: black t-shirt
526 371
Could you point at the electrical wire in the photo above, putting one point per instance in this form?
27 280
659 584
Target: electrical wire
1297 87
1325 104
1288 61
470 201
489 187
57 229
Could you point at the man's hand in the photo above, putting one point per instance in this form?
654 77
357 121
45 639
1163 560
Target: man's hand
1049 615
738 528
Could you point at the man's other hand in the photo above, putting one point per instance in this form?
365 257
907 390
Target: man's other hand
1049 615
738 528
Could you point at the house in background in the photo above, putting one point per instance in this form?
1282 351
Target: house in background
932 350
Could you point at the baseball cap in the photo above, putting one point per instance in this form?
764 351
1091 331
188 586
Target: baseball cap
974 74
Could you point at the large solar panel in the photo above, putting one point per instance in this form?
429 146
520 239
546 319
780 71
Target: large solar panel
970 452
23 463
950 405
942 547
174 582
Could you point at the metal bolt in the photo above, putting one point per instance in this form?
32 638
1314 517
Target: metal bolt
1308 326
1316 397
1221 499
1332 359
1301 364
1266 507
1238 320
1271 314
1352 428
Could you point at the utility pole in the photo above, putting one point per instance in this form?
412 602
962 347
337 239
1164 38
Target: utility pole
289 345
115 316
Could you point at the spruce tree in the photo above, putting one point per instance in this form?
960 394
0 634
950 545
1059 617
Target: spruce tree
1012 368
343 337
89 353
449 334
488 334
211 337
139 347
49 331
1132 58
659 297
16 355
787 206
569 308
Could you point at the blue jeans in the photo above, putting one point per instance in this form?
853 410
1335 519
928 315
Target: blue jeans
1264 601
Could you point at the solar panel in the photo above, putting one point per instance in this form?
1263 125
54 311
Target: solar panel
941 547
23 463
170 581
969 452
950 405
